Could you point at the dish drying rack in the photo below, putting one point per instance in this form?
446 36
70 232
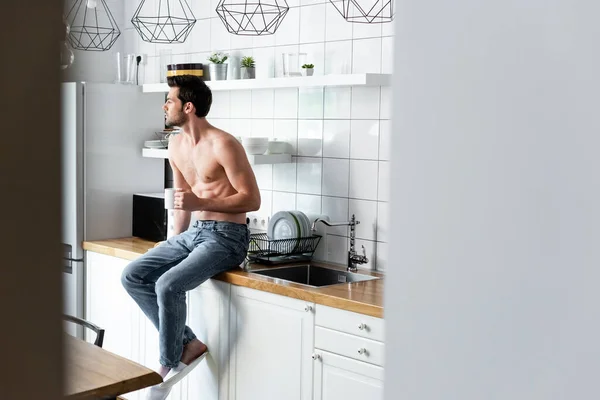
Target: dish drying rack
277 251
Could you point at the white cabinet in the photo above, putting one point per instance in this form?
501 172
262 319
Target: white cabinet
108 305
130 334
271 340
349 355
208 316
342 378
262 345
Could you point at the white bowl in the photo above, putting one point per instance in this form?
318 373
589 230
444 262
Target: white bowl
255 141
256 149
309 147
277 147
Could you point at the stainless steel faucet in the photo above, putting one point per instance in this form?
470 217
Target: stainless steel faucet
353 258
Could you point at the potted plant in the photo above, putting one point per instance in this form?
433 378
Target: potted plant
247 68
308 69
217 67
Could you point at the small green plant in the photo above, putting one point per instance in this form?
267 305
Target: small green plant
218 58
308 66
247 62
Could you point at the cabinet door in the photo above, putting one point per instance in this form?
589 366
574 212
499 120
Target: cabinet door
208 316
342 378
109 306
271 341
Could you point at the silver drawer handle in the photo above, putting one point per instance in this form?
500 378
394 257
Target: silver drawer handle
362 350
308 308
316 356
362 326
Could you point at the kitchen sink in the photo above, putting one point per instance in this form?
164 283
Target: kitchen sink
312 275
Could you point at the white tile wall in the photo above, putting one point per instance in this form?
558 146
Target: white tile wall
336 27
264 176
310 137
336 138
383 219
308 178
382 256
284 177
283 201
336 177
366 55
364 139
338 103
287 130
312 23
286 103
241 104
385 132
263 103
387 52
339 57
363 106
383 191
337 248
310 103
262 128
309 203
340 137
363 184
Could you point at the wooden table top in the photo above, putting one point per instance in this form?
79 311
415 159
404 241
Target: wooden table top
92 372
362 297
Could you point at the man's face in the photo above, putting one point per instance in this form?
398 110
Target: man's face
174 109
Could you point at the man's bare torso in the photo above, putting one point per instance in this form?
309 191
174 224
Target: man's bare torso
200 169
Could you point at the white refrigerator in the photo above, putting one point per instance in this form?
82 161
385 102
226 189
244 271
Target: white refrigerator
104 127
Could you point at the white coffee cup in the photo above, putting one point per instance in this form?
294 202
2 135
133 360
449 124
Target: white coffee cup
169 198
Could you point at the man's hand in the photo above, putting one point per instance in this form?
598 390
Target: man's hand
186 200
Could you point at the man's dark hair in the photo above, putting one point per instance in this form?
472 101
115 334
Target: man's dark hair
192 89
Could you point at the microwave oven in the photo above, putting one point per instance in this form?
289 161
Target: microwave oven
150 218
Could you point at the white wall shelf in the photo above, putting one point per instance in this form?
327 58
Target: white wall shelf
154 153
292 82
254 159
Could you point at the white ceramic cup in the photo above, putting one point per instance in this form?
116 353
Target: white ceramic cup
169 198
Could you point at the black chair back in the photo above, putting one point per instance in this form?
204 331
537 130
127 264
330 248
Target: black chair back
99 331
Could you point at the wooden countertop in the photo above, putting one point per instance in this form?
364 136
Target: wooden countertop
362 297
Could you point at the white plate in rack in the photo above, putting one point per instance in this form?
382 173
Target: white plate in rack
284 225
304 223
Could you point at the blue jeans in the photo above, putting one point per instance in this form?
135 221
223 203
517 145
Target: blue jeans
158 280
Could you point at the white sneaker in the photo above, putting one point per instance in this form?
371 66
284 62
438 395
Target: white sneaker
161 391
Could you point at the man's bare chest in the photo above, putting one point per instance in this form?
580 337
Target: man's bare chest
198 168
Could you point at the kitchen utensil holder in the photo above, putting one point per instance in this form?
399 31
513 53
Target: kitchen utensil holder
276 251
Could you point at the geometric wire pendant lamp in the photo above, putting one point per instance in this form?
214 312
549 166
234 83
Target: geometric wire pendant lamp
92 26
365 11
252 17
170 21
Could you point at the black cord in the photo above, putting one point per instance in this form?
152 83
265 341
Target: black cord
137 70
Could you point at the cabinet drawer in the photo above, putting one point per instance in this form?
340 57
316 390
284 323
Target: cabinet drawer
351 346
350 322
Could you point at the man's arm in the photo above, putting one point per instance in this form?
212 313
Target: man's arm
232 157
182 217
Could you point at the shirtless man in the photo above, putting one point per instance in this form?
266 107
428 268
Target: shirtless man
214 180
